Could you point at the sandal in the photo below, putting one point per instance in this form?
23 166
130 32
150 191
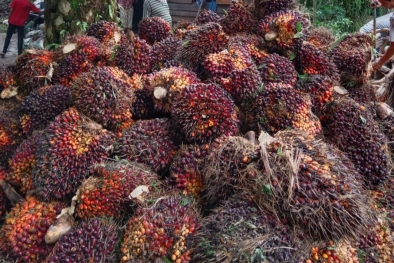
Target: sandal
2 55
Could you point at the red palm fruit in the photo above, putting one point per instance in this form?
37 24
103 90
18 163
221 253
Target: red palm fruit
7 77
72 145
3 197
204 112
106 32
22 163
206 39
284 30
363 93
43 105
312 61
238 19
25 227
165 84
252 43
275 68
94 240
321 37
107 193
149 142
161 229
164 52
206 16
320 88
153 29
142 107
263 8
182 28
105 95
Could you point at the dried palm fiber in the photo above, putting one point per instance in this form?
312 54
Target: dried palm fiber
72 145
164 85
320 88
182 28
161 228
284 30
279 106
105 94
238 19
113 187
186 168
203 112
240 231
198 43
206 16
153 29
263 8
275 68
321 37
352 128
353 57
94 240
252 43
23 232
143 106
313 185
163 52
363 93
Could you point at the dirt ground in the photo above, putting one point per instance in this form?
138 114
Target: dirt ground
12 52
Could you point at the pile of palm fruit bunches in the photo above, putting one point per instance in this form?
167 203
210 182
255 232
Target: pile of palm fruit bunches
252 137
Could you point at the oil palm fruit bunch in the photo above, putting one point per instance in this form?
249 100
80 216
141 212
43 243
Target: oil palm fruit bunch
25 227
261 237
321 37
164 52
72 145
94 240
312 61
320 88
32 67
238 19
153 29
353 56
161 229
387 127
182 28
231 167
252 43
43 105
363 93
80 54
3 197
165 84
275 68
328 200
263 8
106 32
7 77
108 191
352 128
242 84
22 162
149 142
186 168
219 65
283 30
142 107
204 112
105 95
279 107
198 43
133 56
206 16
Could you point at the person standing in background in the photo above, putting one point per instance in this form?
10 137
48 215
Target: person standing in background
158 8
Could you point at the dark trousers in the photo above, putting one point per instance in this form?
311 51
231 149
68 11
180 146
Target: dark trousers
10 32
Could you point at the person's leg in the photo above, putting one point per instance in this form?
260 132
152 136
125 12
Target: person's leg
21 35
10 31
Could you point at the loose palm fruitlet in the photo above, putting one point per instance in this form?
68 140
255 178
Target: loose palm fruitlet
161 229
352 128
278 107
25 227
238 19
308 182
105 95
312 61
206 16
153 29
321 37
327 254
319 87
240 231
284 30
204 112
94 240
165 84
164 52
353 56
149 142
72 145
42 106
262 8
107 192
275 68
242 84
219 65
206 39
22 163
186 168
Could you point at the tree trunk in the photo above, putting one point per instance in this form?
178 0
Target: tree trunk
69 17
